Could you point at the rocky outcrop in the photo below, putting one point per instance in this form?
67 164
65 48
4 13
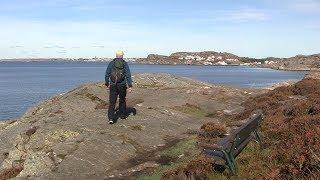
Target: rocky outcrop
313 75
296 63
197 58
299 62
68 137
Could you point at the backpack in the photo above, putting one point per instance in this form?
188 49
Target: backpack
117 71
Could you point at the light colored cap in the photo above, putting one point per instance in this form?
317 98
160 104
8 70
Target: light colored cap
119 53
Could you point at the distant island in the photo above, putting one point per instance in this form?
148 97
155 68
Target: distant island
208 58
299 62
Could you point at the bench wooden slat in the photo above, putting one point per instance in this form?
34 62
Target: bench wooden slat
235 152
210 146
231 146
245 131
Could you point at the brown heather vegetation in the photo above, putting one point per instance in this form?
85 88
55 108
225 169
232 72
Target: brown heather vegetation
291 128
198 168
10 173
211 132
291 137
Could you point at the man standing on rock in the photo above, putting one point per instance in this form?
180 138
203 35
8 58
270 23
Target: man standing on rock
117 78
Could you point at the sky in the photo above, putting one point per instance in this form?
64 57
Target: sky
89 28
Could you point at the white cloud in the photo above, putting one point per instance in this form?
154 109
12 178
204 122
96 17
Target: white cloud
232 16
16 46
314 27
73 39
54 47
306 5
98 46
244 15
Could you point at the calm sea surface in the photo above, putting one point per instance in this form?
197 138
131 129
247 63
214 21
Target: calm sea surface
22 85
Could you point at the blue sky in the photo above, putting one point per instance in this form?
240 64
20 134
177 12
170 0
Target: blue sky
88 28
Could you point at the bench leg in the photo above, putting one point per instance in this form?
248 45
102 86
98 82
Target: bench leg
230 162
258 136
234 164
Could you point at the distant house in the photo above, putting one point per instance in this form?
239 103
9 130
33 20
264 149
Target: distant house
211 58
189 62
269 62
221 63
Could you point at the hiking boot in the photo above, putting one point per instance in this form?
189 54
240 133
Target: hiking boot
134 111
111 121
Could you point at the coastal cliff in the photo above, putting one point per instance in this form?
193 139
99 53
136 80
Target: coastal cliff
68 135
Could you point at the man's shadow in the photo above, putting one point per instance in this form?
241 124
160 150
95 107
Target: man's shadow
129 111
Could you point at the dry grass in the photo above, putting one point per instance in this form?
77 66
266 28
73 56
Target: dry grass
101 103
192 110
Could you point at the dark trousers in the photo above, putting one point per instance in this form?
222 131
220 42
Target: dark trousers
115 91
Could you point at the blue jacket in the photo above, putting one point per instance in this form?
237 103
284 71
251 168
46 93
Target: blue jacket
128 79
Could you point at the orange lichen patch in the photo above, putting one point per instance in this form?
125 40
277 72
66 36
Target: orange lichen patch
10 173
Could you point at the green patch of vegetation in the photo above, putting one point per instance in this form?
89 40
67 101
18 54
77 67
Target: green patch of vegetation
137 127
61 156
253 163
212 115
179 154
192 110
183 147
224 99
253 157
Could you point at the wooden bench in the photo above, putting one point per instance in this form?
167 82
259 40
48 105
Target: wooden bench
231 146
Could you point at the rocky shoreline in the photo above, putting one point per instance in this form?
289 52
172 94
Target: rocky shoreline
69 133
